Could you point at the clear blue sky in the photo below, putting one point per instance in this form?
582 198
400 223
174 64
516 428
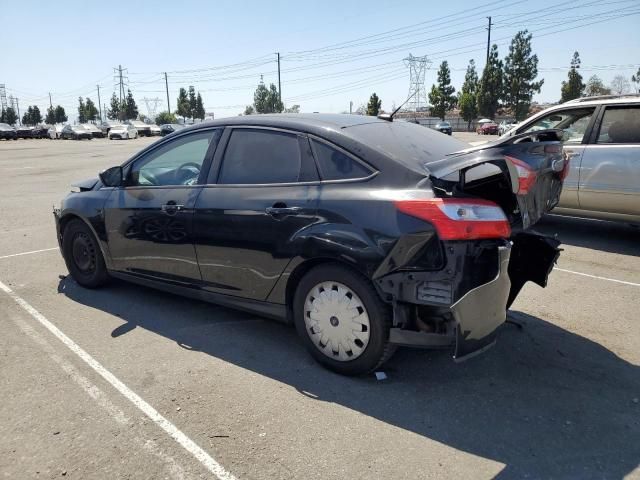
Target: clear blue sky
67 47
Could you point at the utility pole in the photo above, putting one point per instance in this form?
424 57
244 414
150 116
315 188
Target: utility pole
121 86
99 104
279 86
166 84
18 107
50 102
350 107
488 39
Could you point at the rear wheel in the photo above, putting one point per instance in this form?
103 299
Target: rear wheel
342 320
83 256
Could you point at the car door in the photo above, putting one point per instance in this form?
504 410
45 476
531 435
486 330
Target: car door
610 172
262 194
576 122
149 221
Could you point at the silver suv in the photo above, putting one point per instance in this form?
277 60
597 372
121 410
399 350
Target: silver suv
602 137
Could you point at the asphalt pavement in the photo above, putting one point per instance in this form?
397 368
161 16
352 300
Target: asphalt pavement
128 382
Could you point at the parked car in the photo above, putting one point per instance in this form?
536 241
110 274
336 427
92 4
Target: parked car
487 128
443 127
144 129
505 126
40 131
154 129
8 132
602 137
95 131
75 132
366 234
107 125
55 132
24 131
168 128
123 132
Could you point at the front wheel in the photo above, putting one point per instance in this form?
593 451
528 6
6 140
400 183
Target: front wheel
82 255
342 320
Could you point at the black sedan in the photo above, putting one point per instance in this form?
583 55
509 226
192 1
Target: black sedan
40 131
24 131
443 127
75 132
8 132
365 234
168 128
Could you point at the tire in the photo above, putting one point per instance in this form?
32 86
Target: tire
82 255
366 356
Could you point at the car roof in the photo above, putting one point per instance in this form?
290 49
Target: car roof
604 99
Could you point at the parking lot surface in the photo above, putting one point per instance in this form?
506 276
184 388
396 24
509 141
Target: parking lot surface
83 371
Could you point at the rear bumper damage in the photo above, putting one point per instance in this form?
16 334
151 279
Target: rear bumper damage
461 306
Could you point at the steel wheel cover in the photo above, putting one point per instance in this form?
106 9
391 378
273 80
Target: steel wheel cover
336 321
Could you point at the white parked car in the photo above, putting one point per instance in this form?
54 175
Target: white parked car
123 132
55 132
155 129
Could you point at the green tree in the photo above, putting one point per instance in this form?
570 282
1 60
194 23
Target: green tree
573 87
61 115
184 108
490 86
292 109
520 71
595 87
37 116
50 118
467 99
199 112
165 117
82 115
114 109
90 110
10 116
442 96
192 102
636 79
249 110
130 107
373 107
267 100
26 116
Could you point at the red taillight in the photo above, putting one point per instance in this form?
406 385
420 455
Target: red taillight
459 219
526 175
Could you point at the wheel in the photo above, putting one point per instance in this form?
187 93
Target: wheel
82 255
342 320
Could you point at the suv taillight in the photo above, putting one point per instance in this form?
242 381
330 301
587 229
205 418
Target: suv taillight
459 219
526 175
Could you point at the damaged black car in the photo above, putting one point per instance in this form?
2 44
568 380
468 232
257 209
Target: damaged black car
366 234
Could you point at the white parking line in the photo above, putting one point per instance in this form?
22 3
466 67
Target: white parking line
194 449
596 276
28 253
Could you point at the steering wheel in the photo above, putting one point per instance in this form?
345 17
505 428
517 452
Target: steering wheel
180 172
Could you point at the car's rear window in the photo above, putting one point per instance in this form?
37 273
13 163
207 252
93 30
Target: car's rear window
337 165
412 145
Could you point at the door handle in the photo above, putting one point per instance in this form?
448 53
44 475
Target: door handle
571 153
283 210
171 208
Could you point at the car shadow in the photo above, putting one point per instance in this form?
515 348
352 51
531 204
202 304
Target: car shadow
544 401
613 237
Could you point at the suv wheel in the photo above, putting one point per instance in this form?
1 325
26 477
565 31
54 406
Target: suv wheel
83 256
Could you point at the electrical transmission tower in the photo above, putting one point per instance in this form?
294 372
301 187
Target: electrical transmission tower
120 81
417 69
152 106
3 97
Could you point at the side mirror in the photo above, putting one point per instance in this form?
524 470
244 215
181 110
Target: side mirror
112 177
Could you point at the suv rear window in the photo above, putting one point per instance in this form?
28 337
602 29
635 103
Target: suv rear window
620 125
336 165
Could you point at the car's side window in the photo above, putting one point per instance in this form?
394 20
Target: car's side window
261 156
573 122
620 125
176 163
337 165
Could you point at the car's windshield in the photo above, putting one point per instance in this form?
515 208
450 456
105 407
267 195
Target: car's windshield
119 127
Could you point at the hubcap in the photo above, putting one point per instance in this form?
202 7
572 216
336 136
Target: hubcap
84 255
336 321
